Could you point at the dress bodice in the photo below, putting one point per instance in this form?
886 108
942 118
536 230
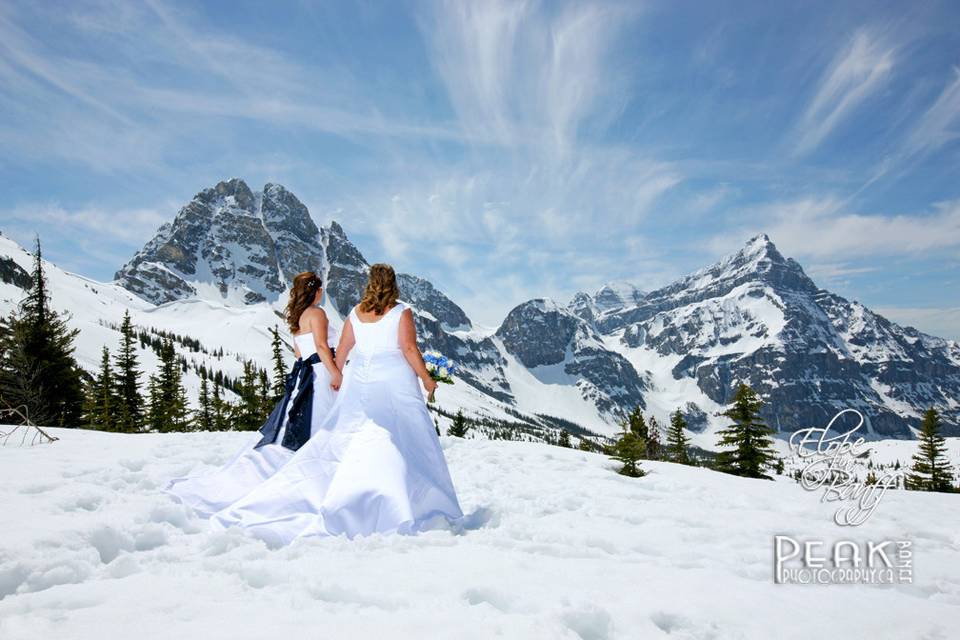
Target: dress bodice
305 344
304 341
379 336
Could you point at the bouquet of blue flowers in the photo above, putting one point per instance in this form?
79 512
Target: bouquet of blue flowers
439 367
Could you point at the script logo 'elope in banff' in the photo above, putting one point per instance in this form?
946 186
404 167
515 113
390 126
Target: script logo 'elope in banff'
828 461
831 465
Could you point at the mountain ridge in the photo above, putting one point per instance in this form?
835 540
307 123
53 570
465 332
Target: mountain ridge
753 316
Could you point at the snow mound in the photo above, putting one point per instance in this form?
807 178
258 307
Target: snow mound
557 546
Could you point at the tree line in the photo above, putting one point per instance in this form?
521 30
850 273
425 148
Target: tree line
746 446
39 373
114 397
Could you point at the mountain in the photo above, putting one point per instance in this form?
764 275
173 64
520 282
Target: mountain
557 346
218 272
756 317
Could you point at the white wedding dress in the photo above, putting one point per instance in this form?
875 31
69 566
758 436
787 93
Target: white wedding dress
211 492
375 466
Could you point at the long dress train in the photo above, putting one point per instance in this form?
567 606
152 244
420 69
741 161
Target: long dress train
379 466
258 460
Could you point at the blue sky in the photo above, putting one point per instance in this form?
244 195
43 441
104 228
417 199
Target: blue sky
506 150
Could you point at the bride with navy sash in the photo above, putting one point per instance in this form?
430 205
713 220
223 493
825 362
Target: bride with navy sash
376 465
309 395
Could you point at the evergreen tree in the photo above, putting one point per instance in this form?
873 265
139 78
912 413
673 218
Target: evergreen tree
37 367
155 404
279 370
180 418
168 398
99 403
221 410
247 413
677 440
459 425
931 469
585 445
638 424
629 449
751 440
127 381
654 448
265 396
564 439
205 412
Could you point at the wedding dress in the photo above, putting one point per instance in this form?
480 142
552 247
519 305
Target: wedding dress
376 466
308 389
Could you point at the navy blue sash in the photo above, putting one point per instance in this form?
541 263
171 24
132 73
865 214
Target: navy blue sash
300 380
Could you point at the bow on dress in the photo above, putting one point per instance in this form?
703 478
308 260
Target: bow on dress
300 379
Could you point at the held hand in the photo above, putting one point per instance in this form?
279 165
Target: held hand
430 385
336 380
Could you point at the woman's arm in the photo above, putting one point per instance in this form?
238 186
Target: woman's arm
408 344
318 326
346 344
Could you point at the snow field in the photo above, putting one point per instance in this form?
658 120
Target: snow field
556 545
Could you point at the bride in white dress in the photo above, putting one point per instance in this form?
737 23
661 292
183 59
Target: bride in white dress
378 466
308 398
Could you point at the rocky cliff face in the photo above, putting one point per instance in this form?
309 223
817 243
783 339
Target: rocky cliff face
753 317
550 340
243 245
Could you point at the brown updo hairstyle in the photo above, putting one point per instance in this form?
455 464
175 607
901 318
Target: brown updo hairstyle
304 290
382 291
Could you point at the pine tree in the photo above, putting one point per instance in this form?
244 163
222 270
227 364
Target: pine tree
629 449
265 396
155 405
37 367
751 440
168 398
180 418
221 410
205 412
99 401
931 469
127 381
677 440
247 413
279 370
459 426
638 424
564 439
654 448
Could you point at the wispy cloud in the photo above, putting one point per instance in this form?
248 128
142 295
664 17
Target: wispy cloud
822 228
933 129
502 149
519 73
939 321
127 225
856 72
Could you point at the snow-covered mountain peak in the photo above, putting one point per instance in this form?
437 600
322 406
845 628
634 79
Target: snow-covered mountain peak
229 193
229 241
617 294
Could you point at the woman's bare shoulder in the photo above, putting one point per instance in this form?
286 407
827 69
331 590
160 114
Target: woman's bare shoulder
313 312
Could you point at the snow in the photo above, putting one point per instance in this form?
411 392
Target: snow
550 391
558 546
